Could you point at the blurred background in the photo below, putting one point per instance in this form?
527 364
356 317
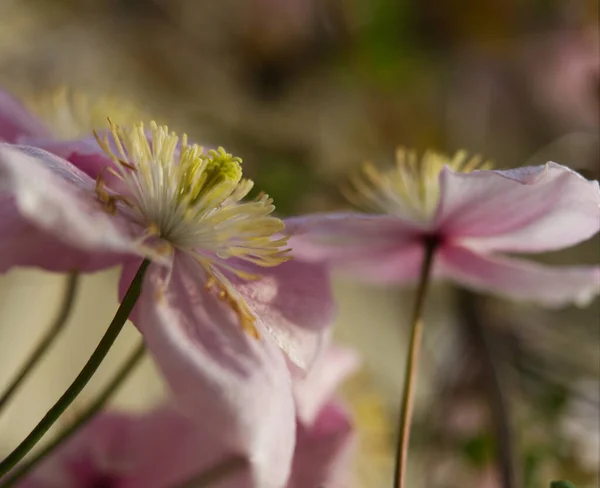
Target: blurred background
305 91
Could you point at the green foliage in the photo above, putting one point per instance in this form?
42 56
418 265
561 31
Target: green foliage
562 484
479 449
286 179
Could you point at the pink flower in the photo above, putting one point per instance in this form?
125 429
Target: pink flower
473 216
164 448
220 301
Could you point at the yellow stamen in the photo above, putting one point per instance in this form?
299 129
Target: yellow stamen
411 187
193 201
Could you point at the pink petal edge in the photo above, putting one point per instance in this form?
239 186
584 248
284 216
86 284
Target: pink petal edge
551 286
528 209
332 367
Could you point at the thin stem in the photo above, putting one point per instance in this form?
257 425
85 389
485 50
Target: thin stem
83 377
90 412
495 393
215 473
45 341
411 372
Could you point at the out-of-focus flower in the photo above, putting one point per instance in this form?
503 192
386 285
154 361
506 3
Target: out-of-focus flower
165 448
219 302
62 122
16 122
470 215
60 115
564 72
581 423
324 431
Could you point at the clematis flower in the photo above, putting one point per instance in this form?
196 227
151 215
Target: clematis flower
472 215
164 448
220 301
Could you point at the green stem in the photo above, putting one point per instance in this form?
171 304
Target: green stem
45 342
216 473
410 375
83 377
89 413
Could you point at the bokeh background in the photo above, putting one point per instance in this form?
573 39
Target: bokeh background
305 91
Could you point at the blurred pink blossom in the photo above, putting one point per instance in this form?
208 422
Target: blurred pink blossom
164 448
564 72
472 217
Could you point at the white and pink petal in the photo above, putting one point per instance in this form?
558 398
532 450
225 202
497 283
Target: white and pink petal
530 209
376 248
46 201
334 365
294 301
237 388
323 450
551 286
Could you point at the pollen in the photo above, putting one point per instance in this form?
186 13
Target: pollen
411 187
193 200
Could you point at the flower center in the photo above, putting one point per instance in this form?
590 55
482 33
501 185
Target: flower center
71 114
411 188
192 200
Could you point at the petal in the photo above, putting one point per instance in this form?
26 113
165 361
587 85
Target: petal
85 154
152 450
376 248
295 303
237 388
551 286
531 209
48 202
344 236
322 456
312 392
167 448
16 122
98 450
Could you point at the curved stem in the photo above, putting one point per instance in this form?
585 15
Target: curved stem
410 375
45 341
83 377
215 473
90 412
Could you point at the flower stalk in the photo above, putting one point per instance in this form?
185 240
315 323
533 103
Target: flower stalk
412 361
92 365
45 341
